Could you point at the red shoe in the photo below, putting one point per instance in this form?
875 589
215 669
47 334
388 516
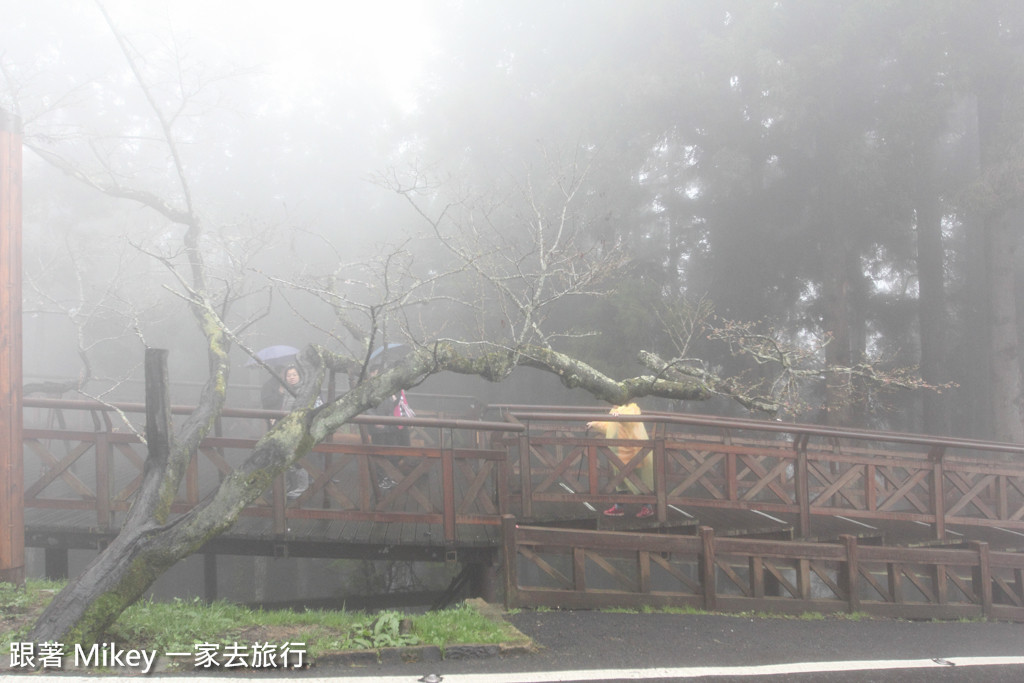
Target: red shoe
645 511
614 511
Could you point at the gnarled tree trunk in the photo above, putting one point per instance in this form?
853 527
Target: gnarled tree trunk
150 542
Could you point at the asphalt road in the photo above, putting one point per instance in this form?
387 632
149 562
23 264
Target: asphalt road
603 646
638 643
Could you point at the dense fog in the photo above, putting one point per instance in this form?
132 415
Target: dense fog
817 202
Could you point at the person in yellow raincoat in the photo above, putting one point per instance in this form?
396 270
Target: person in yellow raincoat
628 430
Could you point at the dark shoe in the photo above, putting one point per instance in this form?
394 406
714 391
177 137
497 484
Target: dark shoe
645 511
386 483
614 511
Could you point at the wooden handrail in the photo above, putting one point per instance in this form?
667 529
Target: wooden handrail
794 428
445 423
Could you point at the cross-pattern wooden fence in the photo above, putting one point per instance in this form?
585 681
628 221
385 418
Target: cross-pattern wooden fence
800 470
591 569
462 477
449 478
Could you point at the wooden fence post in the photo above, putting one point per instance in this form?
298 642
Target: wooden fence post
982 578
756 568
707 567
526 486
850 572
938 494
508 537
579 569
660 481
448 494
802 485
502 482
104 475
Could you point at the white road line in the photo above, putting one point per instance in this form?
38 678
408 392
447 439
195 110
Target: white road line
649 674
707 671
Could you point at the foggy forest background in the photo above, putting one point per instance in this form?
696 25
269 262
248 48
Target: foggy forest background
843 177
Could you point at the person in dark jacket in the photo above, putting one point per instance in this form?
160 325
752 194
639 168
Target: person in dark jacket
396 405
277 397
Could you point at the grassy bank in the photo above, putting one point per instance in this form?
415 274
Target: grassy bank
178 625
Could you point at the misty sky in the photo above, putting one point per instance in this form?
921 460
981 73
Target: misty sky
773 159
306 43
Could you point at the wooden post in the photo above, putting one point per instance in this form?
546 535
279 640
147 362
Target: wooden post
731 484
448 494
982 578
938 494
850 573
593 480
940 584
508 535
660 479
894 571
525 484
1018 582
756 565
643 572
1002 507
707 567
12 475
803 578
579 569
104 478
802 485
501 484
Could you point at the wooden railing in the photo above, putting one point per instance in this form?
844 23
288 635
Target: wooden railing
591 569
467 472
448 477
803 470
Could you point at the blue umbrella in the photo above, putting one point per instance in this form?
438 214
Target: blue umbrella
274 355
380 349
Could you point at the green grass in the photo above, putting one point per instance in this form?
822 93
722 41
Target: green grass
177 625
463 624
19 606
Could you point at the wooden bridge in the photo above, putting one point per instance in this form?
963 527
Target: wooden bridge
748 514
